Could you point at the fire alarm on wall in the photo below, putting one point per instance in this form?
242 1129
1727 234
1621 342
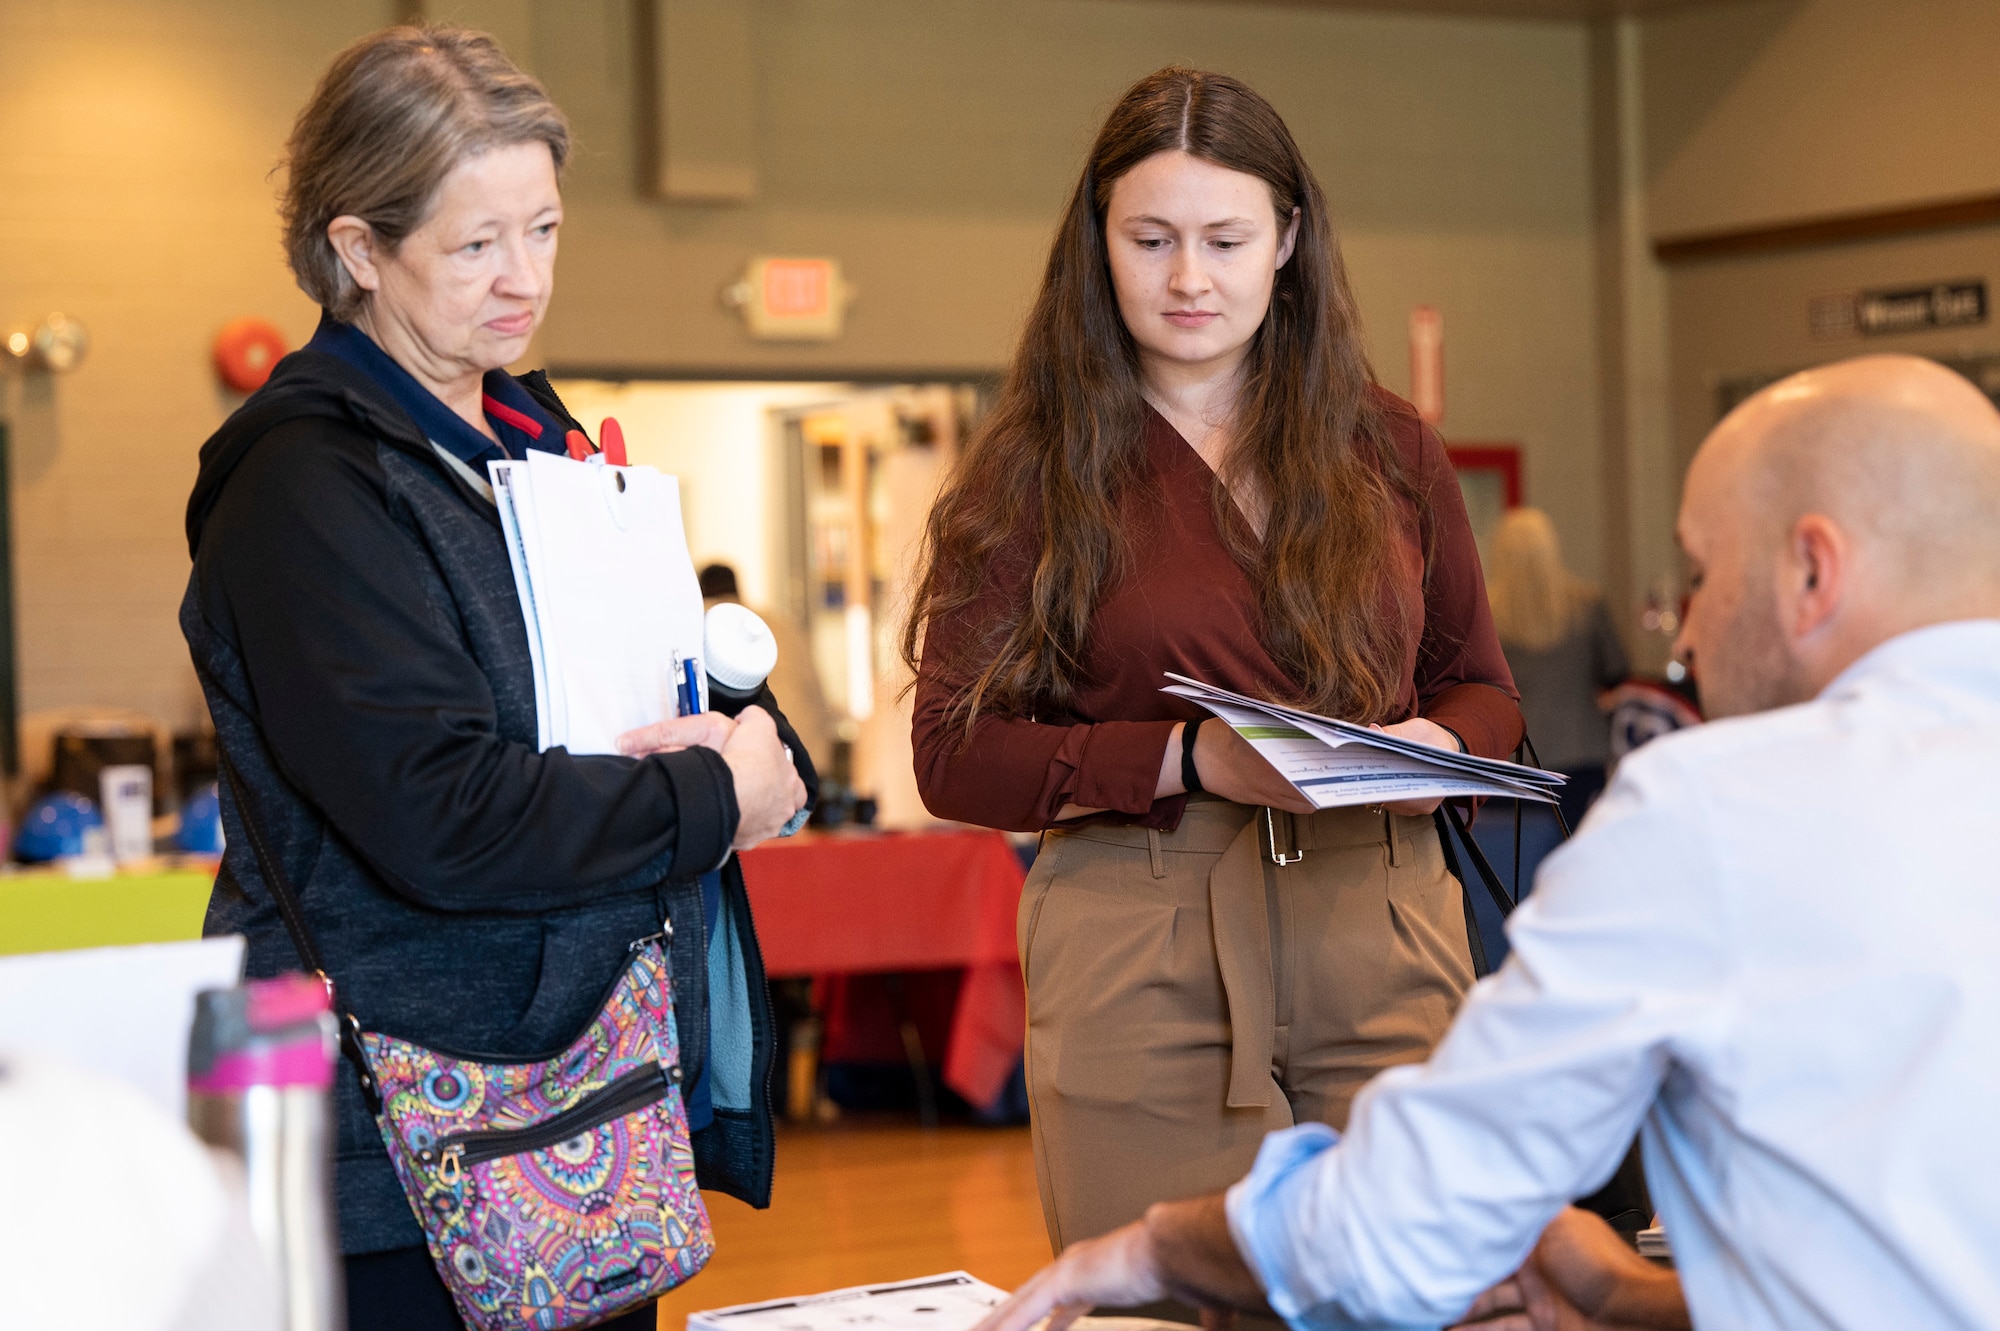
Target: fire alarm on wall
246 351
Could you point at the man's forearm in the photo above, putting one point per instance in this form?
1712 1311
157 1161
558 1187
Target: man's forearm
1197 1256
1651 1299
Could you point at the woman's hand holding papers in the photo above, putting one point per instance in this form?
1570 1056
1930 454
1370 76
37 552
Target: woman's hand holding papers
1228 766
768 789
1423 732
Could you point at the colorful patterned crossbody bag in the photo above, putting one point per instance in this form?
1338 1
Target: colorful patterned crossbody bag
553 1193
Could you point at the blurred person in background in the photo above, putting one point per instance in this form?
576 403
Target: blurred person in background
354 621
795 678
1191 469
1563 649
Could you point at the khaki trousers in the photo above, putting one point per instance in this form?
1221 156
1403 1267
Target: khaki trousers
1187 994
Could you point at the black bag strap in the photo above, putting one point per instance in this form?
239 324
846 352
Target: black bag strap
290 911
1449 821
1473 942
1503 900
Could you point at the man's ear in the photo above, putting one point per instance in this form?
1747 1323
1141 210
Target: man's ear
1814 574
353 240
1289 240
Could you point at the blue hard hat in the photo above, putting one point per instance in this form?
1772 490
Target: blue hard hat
201 822
54 827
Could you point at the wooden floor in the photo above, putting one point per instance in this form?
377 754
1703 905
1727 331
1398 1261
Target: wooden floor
857 1204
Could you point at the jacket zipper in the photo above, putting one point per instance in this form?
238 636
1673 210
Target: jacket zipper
629 1094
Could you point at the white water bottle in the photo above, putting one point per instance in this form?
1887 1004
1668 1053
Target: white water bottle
739 652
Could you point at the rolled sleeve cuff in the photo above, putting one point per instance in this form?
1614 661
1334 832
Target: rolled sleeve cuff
1119 767
1266 1218
1293 1257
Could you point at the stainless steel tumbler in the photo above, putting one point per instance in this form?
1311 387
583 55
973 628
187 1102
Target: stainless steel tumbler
260 1076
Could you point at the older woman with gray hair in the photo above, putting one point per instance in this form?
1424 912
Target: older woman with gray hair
353 618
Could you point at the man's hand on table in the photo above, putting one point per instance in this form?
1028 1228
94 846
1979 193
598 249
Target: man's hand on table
1582 1277
1180 1250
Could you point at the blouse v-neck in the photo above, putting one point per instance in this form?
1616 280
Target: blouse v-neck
1183 602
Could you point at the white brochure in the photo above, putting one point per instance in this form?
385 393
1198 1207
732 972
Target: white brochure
1336 763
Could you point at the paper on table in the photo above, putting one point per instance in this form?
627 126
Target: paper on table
953 1301
613 592
122 1012
1337 763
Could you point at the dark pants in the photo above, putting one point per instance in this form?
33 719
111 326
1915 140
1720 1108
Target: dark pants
399 1290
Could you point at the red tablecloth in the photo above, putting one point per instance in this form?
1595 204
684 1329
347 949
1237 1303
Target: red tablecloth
904 901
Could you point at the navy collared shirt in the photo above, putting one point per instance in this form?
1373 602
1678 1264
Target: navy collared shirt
517 418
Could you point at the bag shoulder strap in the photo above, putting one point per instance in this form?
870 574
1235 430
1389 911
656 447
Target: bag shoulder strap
294 916
1473 942
1489 878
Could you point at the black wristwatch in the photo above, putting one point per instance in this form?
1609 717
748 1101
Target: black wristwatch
1190 778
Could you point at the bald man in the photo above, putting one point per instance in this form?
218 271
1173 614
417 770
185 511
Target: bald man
1775 943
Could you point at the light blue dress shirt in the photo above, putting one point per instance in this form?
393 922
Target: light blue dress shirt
1776 944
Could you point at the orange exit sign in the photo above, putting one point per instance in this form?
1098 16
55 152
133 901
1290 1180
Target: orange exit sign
792 299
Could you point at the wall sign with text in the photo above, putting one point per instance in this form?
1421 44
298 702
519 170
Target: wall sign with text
1839 316
796 300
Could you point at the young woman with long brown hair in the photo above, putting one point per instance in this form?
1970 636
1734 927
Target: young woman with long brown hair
1191 469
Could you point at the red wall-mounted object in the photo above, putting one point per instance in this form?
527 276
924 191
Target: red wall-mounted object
246 351
1503 458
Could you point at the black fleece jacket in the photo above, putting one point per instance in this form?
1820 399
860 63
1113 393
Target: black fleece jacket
353 618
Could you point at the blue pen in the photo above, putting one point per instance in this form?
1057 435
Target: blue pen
681 705
690 687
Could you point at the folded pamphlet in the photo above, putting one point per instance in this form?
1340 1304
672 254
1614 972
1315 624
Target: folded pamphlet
1338 763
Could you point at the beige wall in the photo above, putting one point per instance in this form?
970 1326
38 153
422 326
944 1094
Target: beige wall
1776 110
134 197
927 146
931 155
1781 110
1748 315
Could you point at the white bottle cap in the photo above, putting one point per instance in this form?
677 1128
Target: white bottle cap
737 647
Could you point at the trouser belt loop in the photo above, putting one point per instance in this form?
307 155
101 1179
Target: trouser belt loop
1389 835
1153 849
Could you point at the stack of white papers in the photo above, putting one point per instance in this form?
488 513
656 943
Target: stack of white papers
1336 763
953 1301
609 593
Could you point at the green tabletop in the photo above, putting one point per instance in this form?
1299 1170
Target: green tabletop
51 912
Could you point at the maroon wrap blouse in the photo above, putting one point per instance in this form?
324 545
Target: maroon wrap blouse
1187 606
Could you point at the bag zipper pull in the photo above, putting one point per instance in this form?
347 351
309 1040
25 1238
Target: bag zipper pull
448 1170
664 937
